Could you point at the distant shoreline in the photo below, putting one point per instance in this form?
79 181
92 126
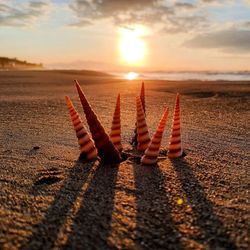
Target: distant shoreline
242 76
7 63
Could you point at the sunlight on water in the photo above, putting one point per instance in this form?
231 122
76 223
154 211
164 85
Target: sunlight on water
131 76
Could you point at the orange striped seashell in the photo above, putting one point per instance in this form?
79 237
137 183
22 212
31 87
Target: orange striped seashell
175 147
106 149
115 134
86 143
152 152
143 138
142 96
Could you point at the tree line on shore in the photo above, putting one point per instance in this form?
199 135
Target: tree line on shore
14 63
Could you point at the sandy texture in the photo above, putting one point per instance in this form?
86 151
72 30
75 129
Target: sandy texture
49 200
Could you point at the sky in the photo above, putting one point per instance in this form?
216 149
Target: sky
134 35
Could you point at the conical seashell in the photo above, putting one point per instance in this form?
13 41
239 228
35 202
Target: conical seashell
115 134
152 152
175 147
143 138
86 143
106 149
142 95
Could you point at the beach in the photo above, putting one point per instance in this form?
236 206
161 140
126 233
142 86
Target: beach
50 200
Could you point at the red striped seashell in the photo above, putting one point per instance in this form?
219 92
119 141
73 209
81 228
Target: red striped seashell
115 134
152 152
86 143
143 138
106 149
142 96
175 147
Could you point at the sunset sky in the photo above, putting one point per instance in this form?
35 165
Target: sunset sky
128 34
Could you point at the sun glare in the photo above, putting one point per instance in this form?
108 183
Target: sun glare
132 47
131 76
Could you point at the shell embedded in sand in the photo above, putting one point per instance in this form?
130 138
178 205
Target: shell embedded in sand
143 138
106 149
175 146
115 133
152 152
86 143
142 96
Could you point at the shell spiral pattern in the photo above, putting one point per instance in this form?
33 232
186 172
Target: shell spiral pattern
142 95
106 149
115 134
143 138
86 143
175 148
152 152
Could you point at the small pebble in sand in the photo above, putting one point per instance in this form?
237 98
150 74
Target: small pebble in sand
36 147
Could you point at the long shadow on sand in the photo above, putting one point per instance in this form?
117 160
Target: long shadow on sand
211 227
92 223
46 232
154 225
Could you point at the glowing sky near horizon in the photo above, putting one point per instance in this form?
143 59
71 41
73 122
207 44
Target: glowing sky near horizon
103 35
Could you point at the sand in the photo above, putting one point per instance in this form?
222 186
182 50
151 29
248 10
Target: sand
49 200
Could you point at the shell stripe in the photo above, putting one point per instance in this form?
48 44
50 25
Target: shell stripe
106 149
175 142
175 146
115 133
143 138
86 144
152 152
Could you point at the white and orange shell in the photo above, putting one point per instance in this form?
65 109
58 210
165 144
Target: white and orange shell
152 152
86 143
106 149
143 138
175 146
115 133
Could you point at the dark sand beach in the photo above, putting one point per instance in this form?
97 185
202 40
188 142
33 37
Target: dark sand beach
49 200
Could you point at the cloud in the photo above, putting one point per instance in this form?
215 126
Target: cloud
230 41
215 1
209 1
171 17
184 24
81 23
246 24
185 5
122 11
22 14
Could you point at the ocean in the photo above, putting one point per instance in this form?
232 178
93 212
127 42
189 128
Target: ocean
204 76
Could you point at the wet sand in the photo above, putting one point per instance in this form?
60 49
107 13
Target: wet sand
49 200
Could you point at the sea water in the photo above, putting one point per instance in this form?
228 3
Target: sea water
204 76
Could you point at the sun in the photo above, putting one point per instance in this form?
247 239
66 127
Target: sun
132 47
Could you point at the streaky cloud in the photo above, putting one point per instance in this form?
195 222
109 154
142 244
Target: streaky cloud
22 14
230 41
173 17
